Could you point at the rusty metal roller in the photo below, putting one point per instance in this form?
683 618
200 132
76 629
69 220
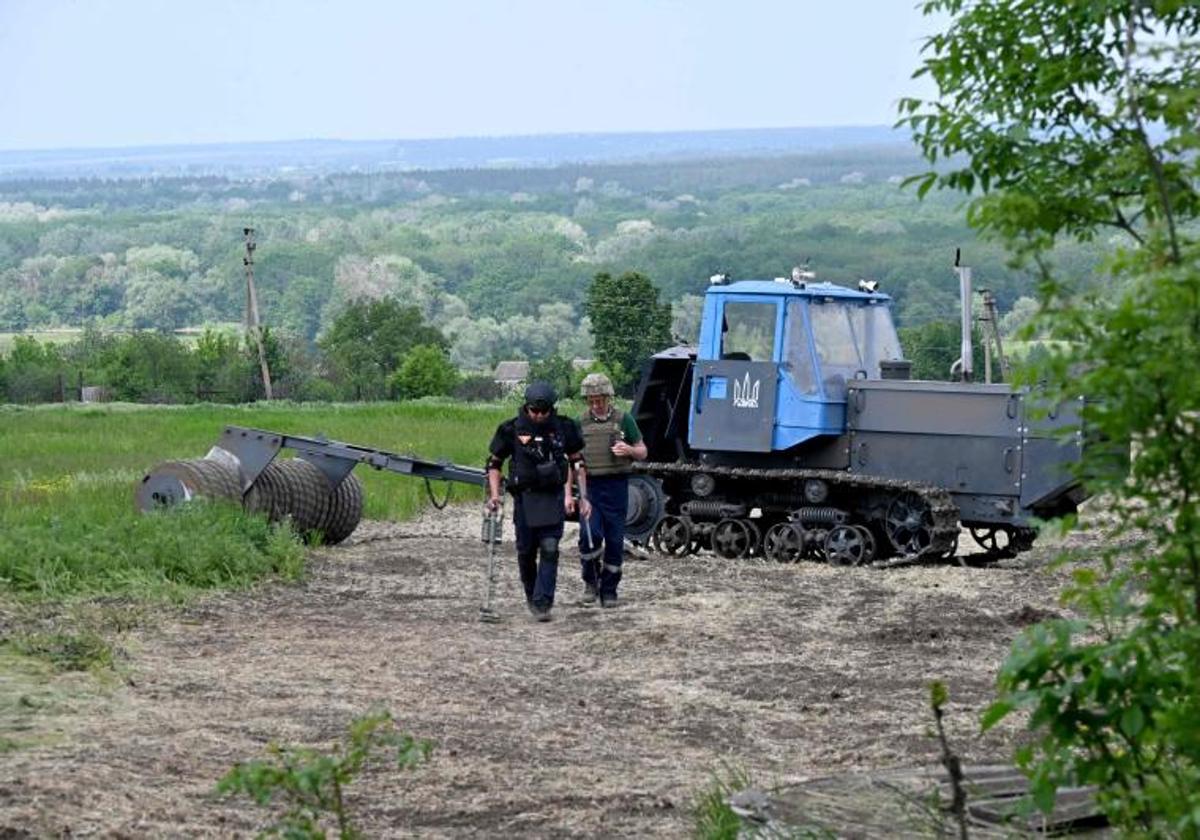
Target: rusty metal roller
287 490
293 489
173 482
343 510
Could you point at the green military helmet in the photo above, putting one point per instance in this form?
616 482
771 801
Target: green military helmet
597 385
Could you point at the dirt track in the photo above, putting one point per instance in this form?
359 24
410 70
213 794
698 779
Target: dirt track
600 723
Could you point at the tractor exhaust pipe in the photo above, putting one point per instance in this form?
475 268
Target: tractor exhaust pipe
963 365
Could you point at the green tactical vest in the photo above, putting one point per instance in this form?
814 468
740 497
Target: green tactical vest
598 438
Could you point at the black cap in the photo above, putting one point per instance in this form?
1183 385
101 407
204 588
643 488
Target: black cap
540 395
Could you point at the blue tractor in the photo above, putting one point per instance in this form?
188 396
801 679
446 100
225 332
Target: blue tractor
793 430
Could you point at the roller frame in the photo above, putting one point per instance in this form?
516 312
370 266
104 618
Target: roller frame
251 450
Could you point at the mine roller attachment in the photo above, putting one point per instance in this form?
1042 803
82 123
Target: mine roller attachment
315 491
173 482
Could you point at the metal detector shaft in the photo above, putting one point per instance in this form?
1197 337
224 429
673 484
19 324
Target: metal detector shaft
492 520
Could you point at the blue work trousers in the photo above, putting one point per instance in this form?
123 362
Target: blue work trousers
538 577
606 549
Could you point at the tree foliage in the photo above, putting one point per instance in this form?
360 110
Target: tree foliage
425 372
481 266
1073 121
934 347
557 371
368 342
628 322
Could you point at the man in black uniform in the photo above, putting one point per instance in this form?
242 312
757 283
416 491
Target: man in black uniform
546 450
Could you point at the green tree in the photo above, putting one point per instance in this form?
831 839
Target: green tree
628 322
425 372
934 347
368 341
221 369
557 371
32 373
149 367
1072 121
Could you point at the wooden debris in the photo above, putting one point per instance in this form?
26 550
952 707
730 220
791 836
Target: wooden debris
914 802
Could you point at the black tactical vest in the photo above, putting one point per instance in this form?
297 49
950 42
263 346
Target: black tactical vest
539 461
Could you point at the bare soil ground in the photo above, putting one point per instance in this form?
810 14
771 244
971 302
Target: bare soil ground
599 723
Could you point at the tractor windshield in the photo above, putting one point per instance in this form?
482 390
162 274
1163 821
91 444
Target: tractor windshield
876 336
851 341
748 331
799 355
838 358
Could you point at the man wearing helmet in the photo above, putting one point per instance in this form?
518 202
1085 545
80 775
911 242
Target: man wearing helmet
612 442
545 451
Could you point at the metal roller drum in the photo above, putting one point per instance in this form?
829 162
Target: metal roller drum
291 489
173 482
343 510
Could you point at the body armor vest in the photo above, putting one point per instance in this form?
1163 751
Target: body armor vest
539 462
598 439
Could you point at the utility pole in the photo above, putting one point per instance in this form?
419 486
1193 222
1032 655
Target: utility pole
991 333
253 325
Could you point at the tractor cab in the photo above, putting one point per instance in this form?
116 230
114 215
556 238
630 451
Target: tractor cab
774 359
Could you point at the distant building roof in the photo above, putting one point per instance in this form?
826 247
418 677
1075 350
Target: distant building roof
511 372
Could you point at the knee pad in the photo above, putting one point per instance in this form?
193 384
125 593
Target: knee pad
549 549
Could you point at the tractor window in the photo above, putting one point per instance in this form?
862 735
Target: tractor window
876 336
748 331
837 352
798 355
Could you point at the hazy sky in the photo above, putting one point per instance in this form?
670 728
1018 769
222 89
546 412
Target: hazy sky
78 73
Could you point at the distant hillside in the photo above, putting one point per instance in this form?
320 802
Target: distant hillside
256 160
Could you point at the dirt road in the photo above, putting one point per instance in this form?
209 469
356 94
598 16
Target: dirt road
600 723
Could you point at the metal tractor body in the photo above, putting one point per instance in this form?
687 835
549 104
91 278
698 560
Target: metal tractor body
792 429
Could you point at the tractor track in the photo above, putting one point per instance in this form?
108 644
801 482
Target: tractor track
944 513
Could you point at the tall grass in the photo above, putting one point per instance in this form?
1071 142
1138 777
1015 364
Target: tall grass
68 527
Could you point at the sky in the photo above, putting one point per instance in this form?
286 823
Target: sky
100 73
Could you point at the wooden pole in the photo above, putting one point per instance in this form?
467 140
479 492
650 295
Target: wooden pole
253 324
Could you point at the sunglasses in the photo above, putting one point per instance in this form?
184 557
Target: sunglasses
538 409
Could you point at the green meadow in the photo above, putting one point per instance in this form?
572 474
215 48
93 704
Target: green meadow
69 530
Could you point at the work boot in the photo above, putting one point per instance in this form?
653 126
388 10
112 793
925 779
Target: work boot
608 601
589 595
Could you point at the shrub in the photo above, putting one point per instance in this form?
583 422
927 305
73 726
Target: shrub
478 388
312 784
425 372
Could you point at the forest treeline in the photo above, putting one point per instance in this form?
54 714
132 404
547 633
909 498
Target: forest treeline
498 261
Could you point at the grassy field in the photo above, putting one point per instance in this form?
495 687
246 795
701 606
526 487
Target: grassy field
65 335
62 336
79 566
67 478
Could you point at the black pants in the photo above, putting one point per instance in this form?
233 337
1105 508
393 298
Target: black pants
538 578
